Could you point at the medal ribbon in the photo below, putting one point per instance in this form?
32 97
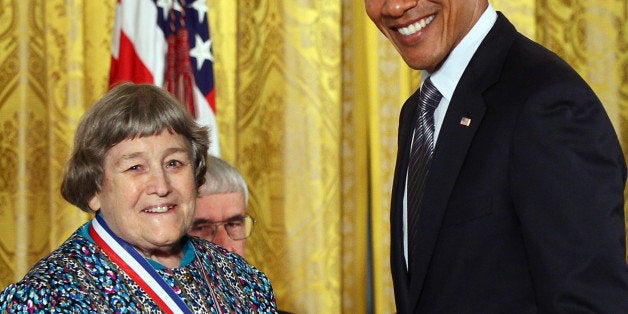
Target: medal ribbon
136 266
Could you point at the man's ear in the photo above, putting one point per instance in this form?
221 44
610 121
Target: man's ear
94 202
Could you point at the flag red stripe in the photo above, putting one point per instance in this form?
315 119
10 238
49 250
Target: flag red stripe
211 99
139 49
128 66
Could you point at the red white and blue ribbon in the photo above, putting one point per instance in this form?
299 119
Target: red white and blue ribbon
137 267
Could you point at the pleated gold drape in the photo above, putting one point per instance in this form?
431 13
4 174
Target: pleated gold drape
54 62
308 99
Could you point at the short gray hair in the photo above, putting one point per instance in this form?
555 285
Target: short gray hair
127 111
221 178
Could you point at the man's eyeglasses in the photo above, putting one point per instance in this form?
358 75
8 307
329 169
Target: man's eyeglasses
238 228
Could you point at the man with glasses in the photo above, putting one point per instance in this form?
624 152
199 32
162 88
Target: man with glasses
220 214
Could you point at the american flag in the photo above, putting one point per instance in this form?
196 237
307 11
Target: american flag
140 52
466 121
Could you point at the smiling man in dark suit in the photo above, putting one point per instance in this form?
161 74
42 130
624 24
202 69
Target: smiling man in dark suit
519 206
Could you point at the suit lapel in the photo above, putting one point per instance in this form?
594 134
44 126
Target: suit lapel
398 264
449 155
452 146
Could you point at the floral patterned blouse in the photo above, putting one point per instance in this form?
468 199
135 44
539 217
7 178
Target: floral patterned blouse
79 278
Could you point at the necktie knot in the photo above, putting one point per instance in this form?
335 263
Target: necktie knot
429 96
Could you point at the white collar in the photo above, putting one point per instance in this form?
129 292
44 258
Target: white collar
447 76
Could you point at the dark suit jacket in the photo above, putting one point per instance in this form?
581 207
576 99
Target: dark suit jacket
523 209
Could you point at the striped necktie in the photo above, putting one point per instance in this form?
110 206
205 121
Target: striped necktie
420 156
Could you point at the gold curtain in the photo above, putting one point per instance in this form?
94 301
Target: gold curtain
53 63
308 97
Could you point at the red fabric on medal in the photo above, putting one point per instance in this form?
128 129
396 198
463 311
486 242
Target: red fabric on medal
136 267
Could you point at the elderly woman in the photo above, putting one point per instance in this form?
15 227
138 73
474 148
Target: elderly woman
137 163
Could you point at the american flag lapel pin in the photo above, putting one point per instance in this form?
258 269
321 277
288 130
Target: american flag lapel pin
466 121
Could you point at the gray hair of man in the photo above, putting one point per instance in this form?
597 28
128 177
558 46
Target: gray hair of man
221 178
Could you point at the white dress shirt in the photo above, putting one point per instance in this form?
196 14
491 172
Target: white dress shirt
445 79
